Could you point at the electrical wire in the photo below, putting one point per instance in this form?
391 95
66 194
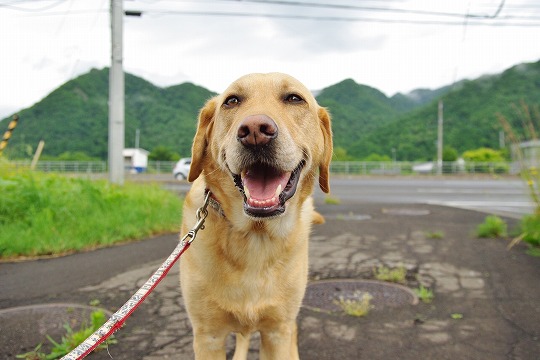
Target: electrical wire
339 18
44 8
494 20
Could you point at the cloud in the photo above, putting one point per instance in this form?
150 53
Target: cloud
168 47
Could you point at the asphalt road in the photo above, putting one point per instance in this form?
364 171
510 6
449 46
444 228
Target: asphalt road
502 196
508 197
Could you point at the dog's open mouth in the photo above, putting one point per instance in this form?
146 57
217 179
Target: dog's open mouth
266 189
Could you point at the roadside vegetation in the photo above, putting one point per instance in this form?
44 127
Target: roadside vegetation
396 275
492 227
71 340
48 214
358 306
530 120
424 294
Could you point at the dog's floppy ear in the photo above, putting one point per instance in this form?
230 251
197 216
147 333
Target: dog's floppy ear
200 142
324 166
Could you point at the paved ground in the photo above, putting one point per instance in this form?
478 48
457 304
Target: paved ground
494 294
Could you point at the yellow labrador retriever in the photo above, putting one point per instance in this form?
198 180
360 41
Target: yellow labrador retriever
258 149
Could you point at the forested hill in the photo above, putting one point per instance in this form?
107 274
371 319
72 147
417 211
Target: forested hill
358 110
470 117
73 118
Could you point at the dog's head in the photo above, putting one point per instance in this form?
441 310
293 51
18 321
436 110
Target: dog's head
267 133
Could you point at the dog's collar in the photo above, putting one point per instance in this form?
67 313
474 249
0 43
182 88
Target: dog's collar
214 202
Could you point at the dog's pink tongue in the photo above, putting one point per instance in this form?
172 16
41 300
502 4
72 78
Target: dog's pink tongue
261 185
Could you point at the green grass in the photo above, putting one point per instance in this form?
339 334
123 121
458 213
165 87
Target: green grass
71 340
435 235
530 228
397 275
330 200
492 227
44 214
359 306
424 294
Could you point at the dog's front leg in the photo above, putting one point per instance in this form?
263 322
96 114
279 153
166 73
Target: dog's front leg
209 345
279 343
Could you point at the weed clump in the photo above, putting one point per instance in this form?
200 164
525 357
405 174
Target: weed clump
71 340
396 275
358 306
492 227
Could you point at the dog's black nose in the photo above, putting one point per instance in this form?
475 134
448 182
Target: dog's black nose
257 130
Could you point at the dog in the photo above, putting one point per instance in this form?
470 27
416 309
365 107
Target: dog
258 149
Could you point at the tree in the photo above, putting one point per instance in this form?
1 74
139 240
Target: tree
449 154
483 155
163 153
340 154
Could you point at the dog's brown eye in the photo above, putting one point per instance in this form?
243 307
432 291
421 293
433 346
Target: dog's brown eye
293 98
231 101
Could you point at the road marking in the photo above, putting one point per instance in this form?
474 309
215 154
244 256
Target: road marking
514 209
470 191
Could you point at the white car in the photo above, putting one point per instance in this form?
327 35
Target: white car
181 169
426 168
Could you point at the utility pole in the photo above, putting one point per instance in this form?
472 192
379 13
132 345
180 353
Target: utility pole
116 96
440 139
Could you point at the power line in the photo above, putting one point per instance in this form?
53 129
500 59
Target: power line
44 8
357 7
340 18
494 20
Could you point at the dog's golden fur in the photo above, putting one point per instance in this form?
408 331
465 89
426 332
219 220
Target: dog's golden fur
245 272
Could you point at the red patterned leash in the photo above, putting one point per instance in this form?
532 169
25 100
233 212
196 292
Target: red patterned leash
116 321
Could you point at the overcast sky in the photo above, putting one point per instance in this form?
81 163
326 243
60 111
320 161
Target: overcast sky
392 45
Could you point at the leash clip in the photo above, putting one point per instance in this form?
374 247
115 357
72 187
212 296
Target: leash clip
201 215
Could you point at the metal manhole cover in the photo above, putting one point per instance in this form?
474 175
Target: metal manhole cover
406 212
23 328
323 295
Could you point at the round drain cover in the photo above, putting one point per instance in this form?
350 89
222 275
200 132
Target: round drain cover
23 328
406 212
323 295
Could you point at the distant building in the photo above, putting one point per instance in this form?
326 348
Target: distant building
135 160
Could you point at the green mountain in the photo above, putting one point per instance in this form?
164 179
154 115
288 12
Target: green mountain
358 110
74 117
470 117
365 121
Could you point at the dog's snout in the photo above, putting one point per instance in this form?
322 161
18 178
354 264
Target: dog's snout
257 130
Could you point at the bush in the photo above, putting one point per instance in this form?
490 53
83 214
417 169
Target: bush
492 227
530 228
377 158
163 153
449 154
483 155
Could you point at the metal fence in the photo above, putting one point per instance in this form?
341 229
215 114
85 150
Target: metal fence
66 166
337 167
404 168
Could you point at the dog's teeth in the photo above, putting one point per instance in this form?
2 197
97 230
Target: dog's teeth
278 191
246 191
